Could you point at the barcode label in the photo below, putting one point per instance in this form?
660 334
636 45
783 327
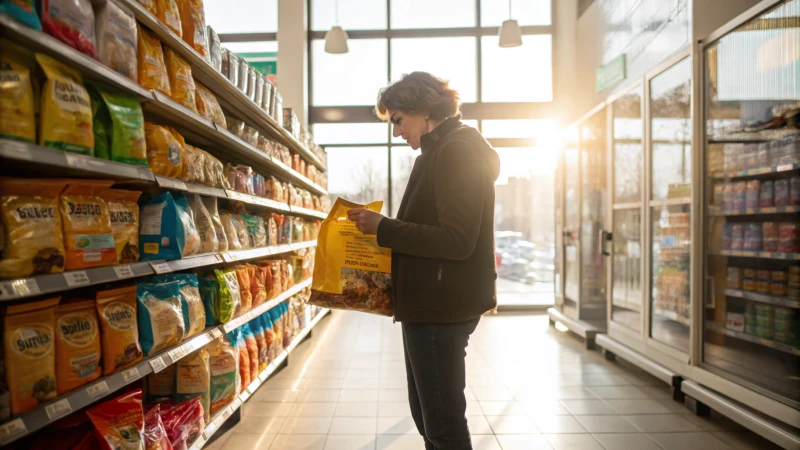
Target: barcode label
157 365
131 374
124 272
97 390
11 429
177 354
58 409
76 278
161 267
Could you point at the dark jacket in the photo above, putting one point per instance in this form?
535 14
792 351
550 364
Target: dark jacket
443 263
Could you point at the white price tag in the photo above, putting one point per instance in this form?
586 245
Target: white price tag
97 390
199 442
177 354
76 278
124 272
210 429
162 267
131 374
17 150
157 365
58 409
263 375
244 396
783 168
11 429
215 333
77 161
227 413
228 257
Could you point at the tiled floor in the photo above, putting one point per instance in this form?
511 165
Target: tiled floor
529 388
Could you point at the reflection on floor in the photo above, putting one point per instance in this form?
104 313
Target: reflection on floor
513 293
530 388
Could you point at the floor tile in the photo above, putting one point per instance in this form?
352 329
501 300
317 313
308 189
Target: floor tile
393 383
627 441
617 392
662 423
503 409
297 442
745 440
249 441
524 442
688 441
399 442
478 425
275 395
360 383
606 424
365 409
392 395
637 406
357 395
544 408
266 409
259 425
398 425
558 424
573 442
290 383
351 442
354 425
485 442
587 407
312 410
393 409
493 394
512 424
329 383
306 425
714 422
319 396
474 408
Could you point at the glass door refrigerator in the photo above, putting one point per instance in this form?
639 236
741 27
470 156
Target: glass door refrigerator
751 337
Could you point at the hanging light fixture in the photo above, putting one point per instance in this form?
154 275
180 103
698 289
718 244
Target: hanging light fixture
510 32
336 38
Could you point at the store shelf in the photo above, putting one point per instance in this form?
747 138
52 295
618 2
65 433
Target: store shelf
671 202
308 212
219 419
754 339
754 211
258 201
763 255
16 289
673 316
744 137
756 172
763 298
261 309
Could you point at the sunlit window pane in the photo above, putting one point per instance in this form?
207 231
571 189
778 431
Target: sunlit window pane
402 162
350 133
242 16
353 14
252 47
353 78
519 74
433 14
526 12
540 129
450 58
359 174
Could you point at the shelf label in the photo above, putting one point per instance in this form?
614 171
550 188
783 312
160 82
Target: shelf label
76 161
199 442
170 183
162 267
97 390
18 150
131 375
783 168
210 429
215 333
12 429
244 396
20 288
58 409
76 278
228 257
227 413
124 272
157 365
177 354
263 375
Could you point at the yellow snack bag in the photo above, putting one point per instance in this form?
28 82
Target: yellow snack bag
123 208
150 5
208 106
181 83
17 116
77 345
193 23
31 243
350 270
193 163
169 15
116 310
165 149
87 225
66 122
30 355
150 61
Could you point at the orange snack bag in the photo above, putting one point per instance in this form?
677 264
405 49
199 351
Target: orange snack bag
88 239
208 105
116 310
168 13
181 83
243 275
193 23
165 149
258 288
150 61
77 345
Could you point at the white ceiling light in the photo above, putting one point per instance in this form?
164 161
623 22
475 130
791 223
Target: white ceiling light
336 38
510 32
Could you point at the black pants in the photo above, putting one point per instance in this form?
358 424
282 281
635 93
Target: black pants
436 374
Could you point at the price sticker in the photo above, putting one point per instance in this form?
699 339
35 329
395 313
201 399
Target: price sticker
263 375
76 278
199 442
227 413
157 365
16 150
210 429
215 333
77 162
161 267
177 354
97 390
58 409
244 396
783 168
229 257
124 272
12 429
131 374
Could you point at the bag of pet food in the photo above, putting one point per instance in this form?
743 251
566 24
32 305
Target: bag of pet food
165 148
66 122
71 22
193 379
88 239
160 387
255 230
241 230
205 226
116 38
116 310
167 230
155 434
350 270
17 110
160 316
231 233
168 13
77 347
118 126
193 163
230 294
150 61
181 83
23 11
120 422
208 106
244 287
224 366
237 340
211 206
193 24
123 208
30 356
194 313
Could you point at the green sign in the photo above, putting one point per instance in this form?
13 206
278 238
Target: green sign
264 62
611 72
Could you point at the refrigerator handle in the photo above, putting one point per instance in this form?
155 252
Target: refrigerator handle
710 294
603 236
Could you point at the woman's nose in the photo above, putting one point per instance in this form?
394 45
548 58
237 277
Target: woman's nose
396 131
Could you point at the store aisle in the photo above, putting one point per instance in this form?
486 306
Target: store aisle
530 388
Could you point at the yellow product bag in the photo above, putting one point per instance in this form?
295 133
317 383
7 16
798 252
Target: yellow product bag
181 83
165 149
350 270
168 13
149 5
193 23
193 163
116 310
150 61
208 106
66 122
123 208
17 113
31 242
30 353
88 239
77 345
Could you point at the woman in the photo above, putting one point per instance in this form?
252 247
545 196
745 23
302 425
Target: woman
443 266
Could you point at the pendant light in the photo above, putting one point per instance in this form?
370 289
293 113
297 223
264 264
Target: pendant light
336 38
510 32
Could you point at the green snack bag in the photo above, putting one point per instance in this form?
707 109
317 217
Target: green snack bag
209 292
101 124
230 297
124 122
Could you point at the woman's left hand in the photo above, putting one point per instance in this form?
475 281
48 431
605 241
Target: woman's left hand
366 221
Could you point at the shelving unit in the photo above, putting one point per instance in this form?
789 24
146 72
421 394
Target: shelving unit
754 339
763 298
754 211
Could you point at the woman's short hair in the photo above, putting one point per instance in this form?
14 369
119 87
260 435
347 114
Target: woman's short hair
419 93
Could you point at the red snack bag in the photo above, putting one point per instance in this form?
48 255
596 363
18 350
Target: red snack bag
71 22
155 434
184 423
120 422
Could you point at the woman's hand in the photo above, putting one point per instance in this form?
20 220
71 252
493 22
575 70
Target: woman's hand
366 221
